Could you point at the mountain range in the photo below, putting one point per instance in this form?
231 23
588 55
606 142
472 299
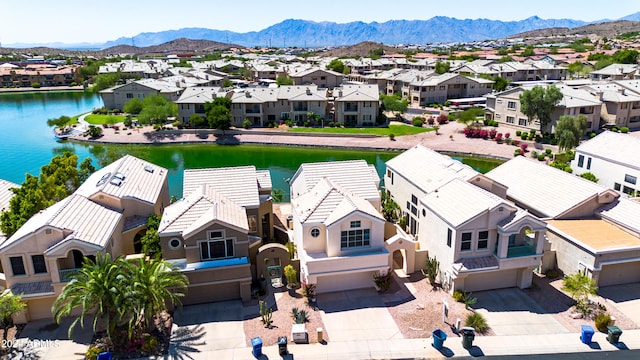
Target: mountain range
304 33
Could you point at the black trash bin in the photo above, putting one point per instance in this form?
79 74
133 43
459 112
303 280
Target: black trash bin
468 334
282 345
613 334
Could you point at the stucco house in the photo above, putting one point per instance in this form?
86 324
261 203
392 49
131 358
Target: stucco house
590 227
337 227
115 97
481 240
356 105
417 172
206 236
107 213
505 108
612 158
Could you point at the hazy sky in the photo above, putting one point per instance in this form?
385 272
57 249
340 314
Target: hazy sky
75 21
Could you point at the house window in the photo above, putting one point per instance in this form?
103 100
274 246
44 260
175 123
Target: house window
511 119
511 105
589 164
580 160
355 224
216 249
465 244
216 234
39 265
354 238
522 122
315 232
129 96
414 199
17 265
616 186
253 223
449 235
630 179
628 190
483 239
174 243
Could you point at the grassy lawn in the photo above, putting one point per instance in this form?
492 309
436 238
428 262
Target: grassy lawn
97 119
397 130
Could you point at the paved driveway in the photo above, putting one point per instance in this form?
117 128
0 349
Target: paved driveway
512 312
208 327
42 339
357 315
626 297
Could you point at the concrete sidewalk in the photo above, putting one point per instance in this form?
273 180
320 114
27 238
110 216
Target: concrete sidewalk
423 349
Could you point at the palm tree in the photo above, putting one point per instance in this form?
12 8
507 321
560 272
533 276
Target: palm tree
153 283
99 288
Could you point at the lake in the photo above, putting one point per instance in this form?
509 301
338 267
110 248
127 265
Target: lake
27 143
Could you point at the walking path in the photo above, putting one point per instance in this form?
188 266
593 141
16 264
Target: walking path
449 139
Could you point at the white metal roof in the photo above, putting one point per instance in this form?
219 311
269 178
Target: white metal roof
543 188
458 201
6 194
355 175
428 169
84 219
624 212
195 211
141 180
328 202
613 147
240 183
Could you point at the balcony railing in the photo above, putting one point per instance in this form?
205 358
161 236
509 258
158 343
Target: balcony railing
300 108
66 275
255 110
518 251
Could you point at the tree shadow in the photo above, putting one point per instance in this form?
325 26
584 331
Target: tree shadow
184 341
227 139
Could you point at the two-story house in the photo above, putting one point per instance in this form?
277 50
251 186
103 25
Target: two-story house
206 236
612 158
339 235
481 241
417 172
356 105
107 213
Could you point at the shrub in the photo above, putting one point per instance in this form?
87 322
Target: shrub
92 352
552 273
246 123
568 169
493 133
518 132
477 321
458 296
382 281
541 157
431 120
602 320
615 129
516 142
507 135
518 152
592 135
589 176
624 129
392 137
547 151
299 316
498 137
524 136
150 344
442 119
534 154
524 147
417 121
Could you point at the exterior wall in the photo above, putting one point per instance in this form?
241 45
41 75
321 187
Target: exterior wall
366 112
608 172
321 78
333 235
401 191
569 255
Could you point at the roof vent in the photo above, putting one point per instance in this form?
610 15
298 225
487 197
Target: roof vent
148 169
103 179
119 175
115 181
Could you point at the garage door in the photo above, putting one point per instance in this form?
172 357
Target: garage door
344 282
491 280
617 274
40 308
208 293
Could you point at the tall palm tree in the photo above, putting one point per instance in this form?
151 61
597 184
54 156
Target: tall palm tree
153 283
99 288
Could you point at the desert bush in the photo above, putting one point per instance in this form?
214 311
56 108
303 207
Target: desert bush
624 129
602 320
477 321
458 296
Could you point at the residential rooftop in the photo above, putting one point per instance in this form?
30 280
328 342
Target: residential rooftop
597 235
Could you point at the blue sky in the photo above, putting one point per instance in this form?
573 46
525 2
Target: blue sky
75 21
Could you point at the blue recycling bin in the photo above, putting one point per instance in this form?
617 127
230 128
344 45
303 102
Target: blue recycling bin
586 334
104 356
256 345
439 337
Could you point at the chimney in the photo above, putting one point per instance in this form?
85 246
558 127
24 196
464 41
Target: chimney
621 91
599 95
